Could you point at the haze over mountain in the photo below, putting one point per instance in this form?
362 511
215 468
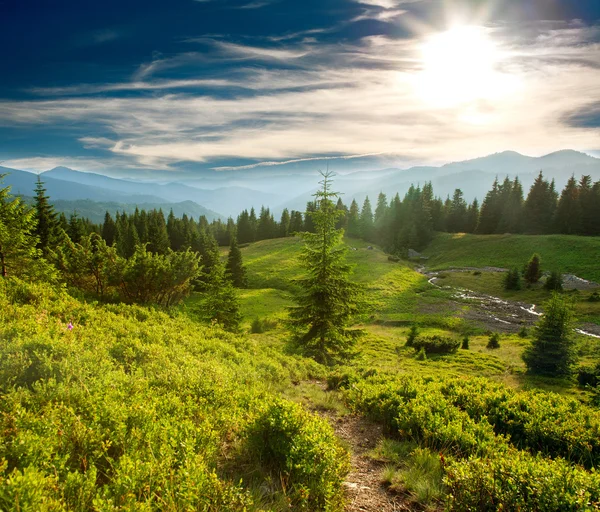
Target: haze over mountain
245 189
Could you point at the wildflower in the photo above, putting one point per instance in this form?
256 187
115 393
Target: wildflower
70 326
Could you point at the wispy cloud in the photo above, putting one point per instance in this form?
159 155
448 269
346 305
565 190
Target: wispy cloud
351 100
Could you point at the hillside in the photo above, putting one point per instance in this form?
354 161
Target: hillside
122 407
568 254
95 210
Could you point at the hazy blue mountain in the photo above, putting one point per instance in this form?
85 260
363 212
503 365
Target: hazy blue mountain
228 200
474 177
95 210
23 183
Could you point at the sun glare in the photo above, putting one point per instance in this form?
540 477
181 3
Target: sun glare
458 67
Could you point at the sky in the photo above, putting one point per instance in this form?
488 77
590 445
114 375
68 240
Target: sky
192 85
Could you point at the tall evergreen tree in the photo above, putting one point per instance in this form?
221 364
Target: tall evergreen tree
234 269
284 223
367 226
328 300
540 205
568 212
552 351
109 230
158 238
342 222
457 216
587 206
489 215
472 217
18 241
296 222
354 220
309 225
46 219
221 304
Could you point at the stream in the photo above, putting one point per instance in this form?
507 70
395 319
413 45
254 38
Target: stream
499 314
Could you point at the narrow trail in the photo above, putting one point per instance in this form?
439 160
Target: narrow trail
363 486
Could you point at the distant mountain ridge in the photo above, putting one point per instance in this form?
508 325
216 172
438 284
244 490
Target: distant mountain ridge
228 193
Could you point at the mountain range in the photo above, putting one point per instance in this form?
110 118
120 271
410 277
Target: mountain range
221 194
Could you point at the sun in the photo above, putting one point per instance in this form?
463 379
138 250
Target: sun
459 67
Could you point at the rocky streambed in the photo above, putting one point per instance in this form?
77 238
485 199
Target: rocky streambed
503 315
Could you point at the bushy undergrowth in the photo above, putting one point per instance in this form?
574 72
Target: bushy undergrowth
133 409
481 427
436 344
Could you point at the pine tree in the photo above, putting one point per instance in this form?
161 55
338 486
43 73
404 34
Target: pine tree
568 212
552 350
296 222
533 270
457 216
47 219
109 229
472 217
328 300
158 238
540 206
587 206
342 222
284 223
18 242
221 304
353 220
234 269
489 215
367 226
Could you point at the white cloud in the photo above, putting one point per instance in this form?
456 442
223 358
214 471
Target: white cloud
349 100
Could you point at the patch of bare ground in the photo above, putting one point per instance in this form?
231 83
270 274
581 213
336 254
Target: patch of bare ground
363 486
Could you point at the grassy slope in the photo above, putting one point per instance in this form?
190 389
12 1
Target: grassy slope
568 254
399 297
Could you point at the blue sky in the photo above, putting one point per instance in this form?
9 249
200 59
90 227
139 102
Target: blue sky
222 84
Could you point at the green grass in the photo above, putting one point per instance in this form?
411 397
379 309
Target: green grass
569 254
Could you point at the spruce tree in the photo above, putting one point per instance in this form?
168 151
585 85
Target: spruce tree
109 229
354 220
221 303
234 269
47 219
296 222
367 225
328 299
284 223
540 206
533 270
568 212
551 352
457 216
18 241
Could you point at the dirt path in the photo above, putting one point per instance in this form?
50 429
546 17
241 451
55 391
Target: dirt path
363 486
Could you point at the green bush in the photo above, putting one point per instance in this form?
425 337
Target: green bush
436 344
302 452
134 409
465 342
261 325
554 282
512 280
494 341
412 335
519 481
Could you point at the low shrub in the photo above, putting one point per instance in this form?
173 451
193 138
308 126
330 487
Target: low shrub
302 452
554 282
494 341
594 297
465 342
512 280
261 325
519 481
412 335
436 344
